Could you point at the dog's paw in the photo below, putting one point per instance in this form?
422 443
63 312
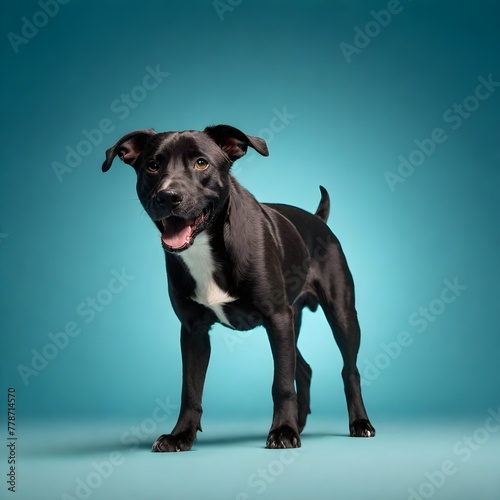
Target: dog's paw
361 428
170 442
283 437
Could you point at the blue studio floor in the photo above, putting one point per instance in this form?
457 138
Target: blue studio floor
407 460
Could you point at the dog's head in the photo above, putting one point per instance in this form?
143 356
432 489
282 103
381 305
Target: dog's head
183 177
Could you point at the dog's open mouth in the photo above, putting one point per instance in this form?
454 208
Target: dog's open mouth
177 233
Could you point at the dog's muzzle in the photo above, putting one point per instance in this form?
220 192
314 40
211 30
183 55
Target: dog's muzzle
178 234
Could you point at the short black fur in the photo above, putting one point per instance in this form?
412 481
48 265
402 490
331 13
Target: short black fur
269 262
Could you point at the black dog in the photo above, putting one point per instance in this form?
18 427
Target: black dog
235 261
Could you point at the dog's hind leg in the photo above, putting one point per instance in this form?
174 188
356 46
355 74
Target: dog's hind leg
336 298
303 375
303 372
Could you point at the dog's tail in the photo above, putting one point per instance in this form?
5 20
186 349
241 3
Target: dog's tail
323 210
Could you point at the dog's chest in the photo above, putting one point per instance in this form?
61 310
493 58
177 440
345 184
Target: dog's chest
199 260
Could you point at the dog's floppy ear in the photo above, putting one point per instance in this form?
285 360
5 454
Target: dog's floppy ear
128 148
234 142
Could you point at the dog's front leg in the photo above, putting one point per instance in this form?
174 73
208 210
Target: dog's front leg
195 347
284 431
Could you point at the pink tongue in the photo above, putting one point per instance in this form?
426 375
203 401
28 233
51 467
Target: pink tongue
177 233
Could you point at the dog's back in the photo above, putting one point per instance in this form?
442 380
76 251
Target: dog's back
311 227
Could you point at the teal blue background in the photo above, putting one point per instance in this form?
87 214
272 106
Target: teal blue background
348 122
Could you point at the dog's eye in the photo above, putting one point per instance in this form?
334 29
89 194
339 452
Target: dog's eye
152 166
201 164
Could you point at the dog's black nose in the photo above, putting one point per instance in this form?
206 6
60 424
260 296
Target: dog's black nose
169 197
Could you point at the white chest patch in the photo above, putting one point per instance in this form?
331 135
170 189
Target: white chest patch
198 259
